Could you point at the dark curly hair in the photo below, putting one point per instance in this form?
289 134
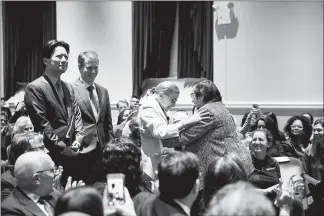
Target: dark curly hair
270 125
307 128
220 172
122 156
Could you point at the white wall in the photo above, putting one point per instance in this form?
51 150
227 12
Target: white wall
276 57
275 60
105 27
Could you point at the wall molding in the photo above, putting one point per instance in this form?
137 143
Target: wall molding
279 108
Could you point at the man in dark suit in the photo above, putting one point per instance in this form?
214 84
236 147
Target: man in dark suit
180 168
53 109
94 104
34 193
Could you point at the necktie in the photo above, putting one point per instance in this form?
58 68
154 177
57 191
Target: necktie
59 89
92 98
47 206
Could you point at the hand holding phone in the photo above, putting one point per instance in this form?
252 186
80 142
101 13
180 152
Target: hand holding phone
115 189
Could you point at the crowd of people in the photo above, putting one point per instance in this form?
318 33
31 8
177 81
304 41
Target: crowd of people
60 144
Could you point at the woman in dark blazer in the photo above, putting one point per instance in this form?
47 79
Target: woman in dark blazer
216 136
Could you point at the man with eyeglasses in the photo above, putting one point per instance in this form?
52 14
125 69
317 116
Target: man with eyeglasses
21 143
34 193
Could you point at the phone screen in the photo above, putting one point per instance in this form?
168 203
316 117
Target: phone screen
115 187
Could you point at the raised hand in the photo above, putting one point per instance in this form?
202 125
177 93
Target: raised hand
70 184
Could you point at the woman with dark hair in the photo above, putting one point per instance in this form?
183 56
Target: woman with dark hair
81 199
123 115
122 156
220 172
275 148
299 132
313 160
273 116
309 117
212 137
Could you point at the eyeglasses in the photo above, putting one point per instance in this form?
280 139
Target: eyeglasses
192 95
52 170
173 100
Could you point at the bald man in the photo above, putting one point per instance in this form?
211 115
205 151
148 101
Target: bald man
34 193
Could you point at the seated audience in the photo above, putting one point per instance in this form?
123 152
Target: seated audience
82 199
34 194
21 143
178 174
134 103
122 156
121 105
299 131
6 130
273 116
309 117
275 146
250 121
123 115
220 172
240 199
22 124
122 127
313 160
135 130
266 169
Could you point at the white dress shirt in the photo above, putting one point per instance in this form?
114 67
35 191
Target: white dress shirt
35 198
185 208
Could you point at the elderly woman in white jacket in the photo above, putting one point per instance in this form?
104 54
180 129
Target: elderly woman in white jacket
157 124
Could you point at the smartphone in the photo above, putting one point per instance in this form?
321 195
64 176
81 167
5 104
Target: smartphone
256 106
115 188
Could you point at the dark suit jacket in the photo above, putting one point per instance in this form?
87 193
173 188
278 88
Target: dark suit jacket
60 123
8 183
100 127
18 203
147 204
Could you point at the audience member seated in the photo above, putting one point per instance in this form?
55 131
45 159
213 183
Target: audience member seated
250 121
266 169
22 124
121 105
34 194
134 102
220 172
21 143
273 116
135 129
178 174
275 146
122 156
6 131
19 111
309 117
123 122
299 131
81 199
313 159
240 199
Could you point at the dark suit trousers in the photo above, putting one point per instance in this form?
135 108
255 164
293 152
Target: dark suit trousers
88 164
